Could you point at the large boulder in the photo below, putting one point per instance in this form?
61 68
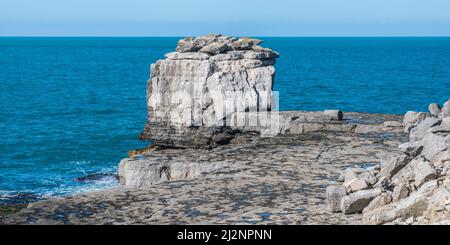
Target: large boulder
147 171
336 115
393 166
335 193
356 202
418 171
192 94
355 185
411 149
434 109
433 144
379 201
139 173
418 132
439 204
411 118
413 206
446 109
400 192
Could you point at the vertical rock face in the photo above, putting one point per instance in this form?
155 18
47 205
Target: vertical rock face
192 94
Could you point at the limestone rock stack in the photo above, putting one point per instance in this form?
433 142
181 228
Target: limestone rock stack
412 188
192 94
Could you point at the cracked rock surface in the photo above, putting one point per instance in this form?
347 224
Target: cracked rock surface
278 180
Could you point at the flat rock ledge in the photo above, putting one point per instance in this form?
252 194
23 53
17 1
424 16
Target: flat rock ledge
267 180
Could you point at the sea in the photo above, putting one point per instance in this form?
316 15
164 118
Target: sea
71 107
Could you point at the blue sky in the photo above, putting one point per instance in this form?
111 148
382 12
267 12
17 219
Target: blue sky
234 17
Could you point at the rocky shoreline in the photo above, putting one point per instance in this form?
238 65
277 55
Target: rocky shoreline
277 180
222 153
410 188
